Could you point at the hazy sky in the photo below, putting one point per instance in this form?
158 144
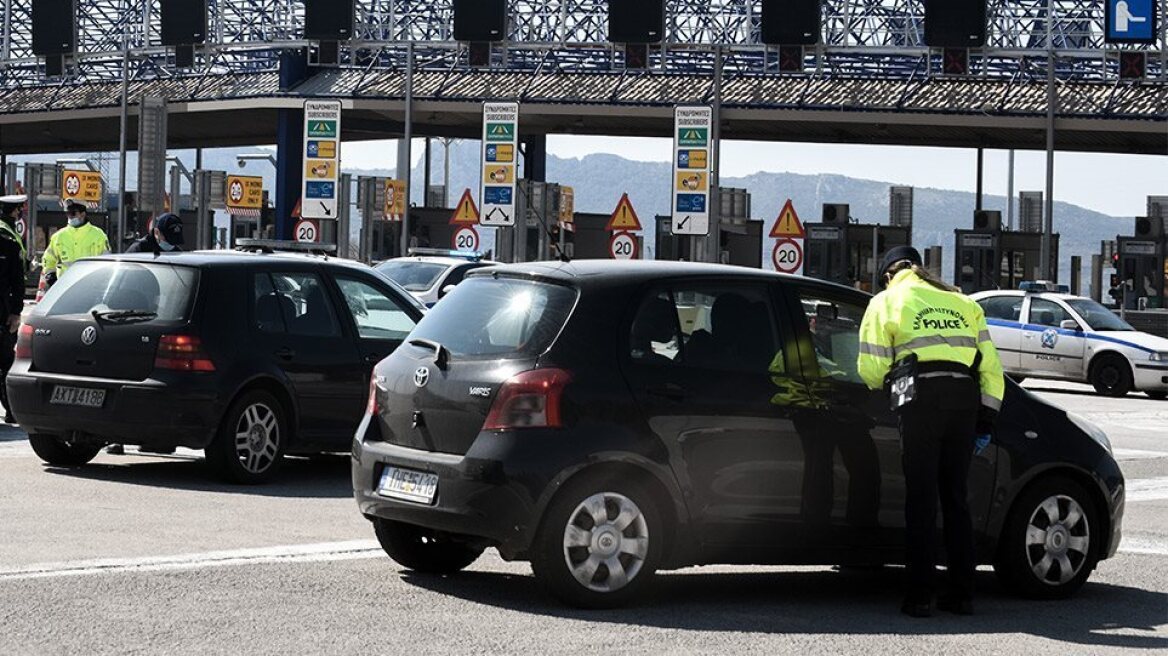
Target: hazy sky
1113 184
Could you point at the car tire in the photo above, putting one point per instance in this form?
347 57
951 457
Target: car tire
57 452
250 444
422 550
1051 541
1111 375
1158 395
606 568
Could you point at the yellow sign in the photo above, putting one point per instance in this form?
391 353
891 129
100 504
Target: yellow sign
624 217
500 154
322 149
567 204
693 181
245 192
320 169
395 198
84 186
466 213
692 159
788 224
499 174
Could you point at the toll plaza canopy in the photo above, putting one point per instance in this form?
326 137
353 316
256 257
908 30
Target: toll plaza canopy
870 79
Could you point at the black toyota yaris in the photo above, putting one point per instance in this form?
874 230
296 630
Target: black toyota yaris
606 420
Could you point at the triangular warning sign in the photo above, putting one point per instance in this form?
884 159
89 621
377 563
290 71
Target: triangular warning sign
624 217
296 210
788 223
466 213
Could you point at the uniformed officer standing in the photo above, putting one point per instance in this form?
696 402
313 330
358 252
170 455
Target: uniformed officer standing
929 343
77 240
13 266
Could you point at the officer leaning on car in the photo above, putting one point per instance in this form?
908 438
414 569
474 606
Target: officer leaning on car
165 236
928 345
13 266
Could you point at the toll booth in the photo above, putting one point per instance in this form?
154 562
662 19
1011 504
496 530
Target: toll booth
849 253
1142 265
741 242
589 239
991 258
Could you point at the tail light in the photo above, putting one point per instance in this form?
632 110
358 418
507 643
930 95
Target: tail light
182 353
531 399
371 407
24 342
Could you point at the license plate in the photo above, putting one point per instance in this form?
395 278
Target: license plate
408 485
83 396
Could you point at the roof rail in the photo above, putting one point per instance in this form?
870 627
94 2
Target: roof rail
473 256
286 246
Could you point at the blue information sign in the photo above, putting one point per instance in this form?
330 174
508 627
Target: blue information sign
691 203
497 195
1131 21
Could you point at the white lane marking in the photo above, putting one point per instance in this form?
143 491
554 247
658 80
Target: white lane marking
1143 544
1138 454
324 551
1148 489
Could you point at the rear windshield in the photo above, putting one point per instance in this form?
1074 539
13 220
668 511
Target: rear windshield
105 286
493 317
414 276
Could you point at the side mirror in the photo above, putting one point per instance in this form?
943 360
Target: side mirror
1069 324
445 290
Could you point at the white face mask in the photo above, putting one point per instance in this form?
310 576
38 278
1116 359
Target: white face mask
165 245
76 221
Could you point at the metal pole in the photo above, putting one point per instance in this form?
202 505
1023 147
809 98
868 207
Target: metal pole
120 235
1010 193
408 137
426 176
446 172
875 262
1051 99
714 239
344 214
32 179
980 176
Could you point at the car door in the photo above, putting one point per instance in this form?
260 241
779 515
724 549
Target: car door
298 323
381 319
1047 347
698 362
854 474
1003 315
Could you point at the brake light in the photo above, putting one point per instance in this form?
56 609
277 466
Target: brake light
182 353
371 407
531 399
24 342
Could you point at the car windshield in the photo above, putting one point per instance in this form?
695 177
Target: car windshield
492 317
413 275
122 290
1097 316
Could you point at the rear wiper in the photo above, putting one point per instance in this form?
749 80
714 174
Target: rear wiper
441 355
123 315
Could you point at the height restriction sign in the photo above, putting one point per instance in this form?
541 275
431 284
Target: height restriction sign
691 170
322 162
500 142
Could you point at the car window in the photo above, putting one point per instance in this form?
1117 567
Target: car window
1047 313
377 315
1097 316
302 303
708 326
103 286
1006 308
459 273
413 275
835 333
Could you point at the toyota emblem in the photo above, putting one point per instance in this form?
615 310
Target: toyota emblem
89 336
421 376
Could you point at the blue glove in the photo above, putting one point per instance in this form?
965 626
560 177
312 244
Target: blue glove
981 443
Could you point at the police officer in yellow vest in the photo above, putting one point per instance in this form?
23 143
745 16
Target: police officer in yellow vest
928 345
77 240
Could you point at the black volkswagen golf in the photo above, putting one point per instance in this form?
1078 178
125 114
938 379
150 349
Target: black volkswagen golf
607 420
249 356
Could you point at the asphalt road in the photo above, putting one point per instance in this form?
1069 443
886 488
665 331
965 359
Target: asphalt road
140 554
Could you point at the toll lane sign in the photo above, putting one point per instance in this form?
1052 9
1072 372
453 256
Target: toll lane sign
691 170
322 148
500 140
1131 21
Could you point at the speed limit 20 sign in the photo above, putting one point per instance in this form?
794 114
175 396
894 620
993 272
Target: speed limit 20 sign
465 238
307 231
623 246
787 256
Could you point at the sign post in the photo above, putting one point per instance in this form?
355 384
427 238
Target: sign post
691 170
320 196
500 145
788 231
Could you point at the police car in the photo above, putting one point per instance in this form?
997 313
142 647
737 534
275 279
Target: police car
430 274
1041 331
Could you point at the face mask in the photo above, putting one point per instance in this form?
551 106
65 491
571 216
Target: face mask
76 221
165 245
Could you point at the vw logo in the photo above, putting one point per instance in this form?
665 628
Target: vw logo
421 376
89 336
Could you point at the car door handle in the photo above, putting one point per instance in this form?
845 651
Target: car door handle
285 353
373 358
668 391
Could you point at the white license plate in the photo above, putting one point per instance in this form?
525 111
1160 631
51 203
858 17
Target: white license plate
408 485
83 396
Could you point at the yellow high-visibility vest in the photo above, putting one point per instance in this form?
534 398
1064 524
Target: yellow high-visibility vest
70 244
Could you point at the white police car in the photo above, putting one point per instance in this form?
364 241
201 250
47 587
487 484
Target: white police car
429 274
1052 334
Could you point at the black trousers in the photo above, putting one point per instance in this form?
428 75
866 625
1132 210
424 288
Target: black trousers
7 358
937 438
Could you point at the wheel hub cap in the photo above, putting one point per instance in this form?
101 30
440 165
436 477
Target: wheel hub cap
1058 540
606 542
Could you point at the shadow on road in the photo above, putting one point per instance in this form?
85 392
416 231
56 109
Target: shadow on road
829 602
321 477
10 433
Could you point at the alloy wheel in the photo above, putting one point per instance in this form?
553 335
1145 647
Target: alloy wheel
257 438
606 542
1058 540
